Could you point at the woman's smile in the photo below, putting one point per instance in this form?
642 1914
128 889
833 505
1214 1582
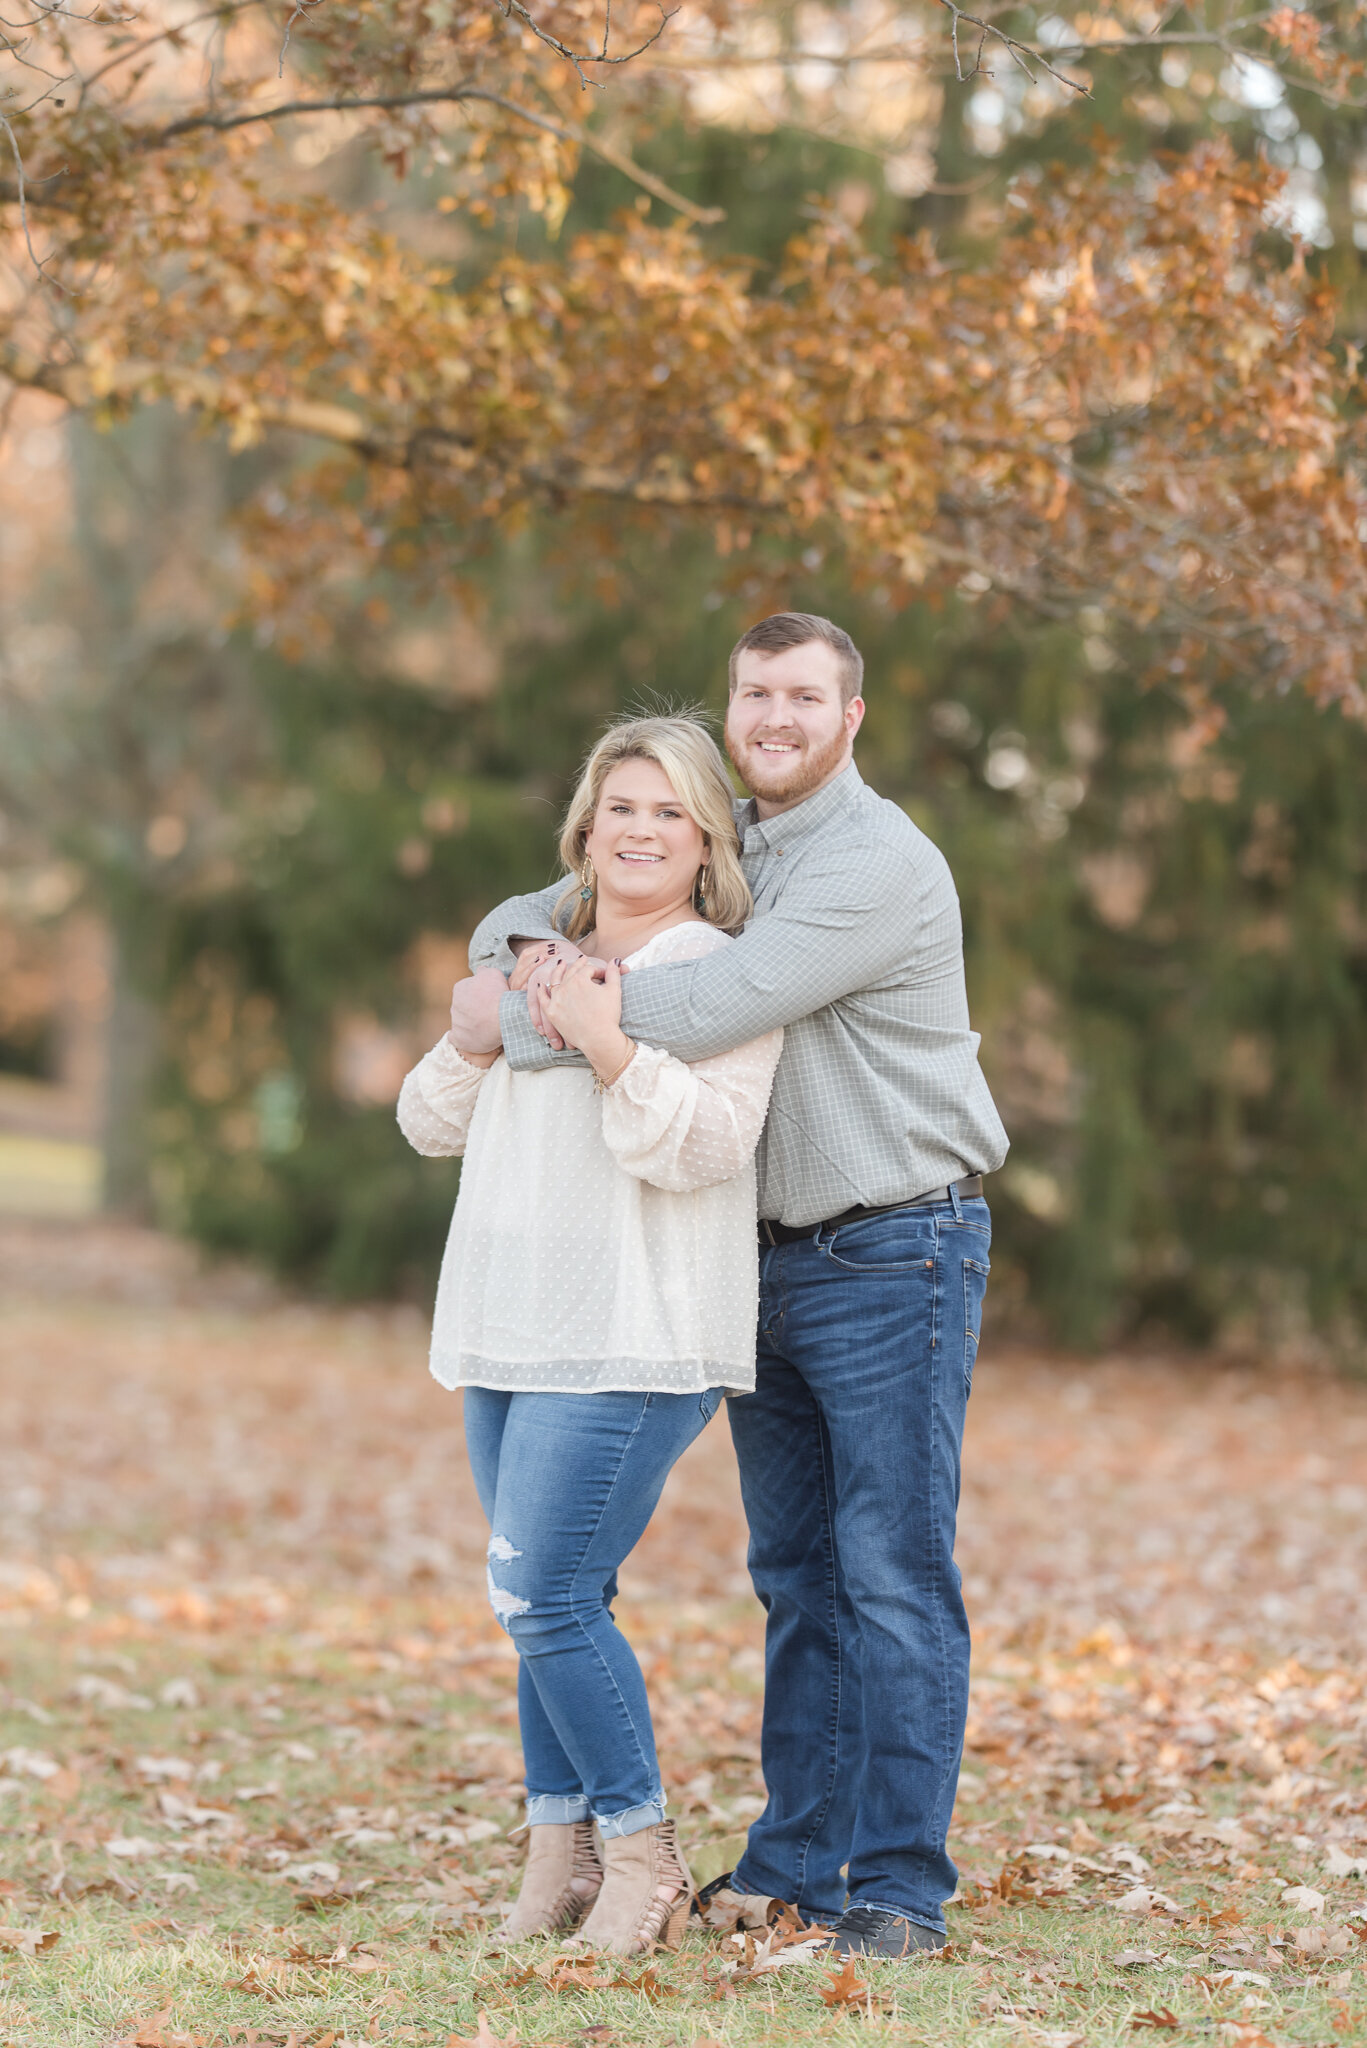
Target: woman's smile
645 848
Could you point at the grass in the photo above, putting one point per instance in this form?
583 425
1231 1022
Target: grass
383 1746
239 1632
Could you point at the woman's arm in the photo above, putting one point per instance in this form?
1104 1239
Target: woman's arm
684 1127
438 1099
679 1127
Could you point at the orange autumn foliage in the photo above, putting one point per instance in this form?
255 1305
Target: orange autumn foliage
1131 400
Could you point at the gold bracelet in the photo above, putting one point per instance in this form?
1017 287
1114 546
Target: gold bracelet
601 1087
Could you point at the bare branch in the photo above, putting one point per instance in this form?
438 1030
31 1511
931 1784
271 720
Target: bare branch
1223 39
1021 54
451 95
179 28
302 9
22 194
514 9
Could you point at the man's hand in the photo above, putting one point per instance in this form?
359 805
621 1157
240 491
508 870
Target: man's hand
475 1028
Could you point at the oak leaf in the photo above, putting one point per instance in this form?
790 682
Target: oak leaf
483 2037
845 1987
29 1941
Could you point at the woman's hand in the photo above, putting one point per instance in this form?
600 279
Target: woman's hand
581 1000
539 953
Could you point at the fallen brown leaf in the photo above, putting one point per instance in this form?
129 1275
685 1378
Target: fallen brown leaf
483 2037
155 2033
148 2032
844 1988
565 1976
29 1941
648 1985
1213 1916
1162 2018
264 1978
307 1901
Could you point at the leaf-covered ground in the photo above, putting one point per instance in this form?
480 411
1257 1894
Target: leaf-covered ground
259 1741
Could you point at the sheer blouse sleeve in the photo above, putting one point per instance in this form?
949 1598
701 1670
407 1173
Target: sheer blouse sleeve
680 1126
437 1101
683 1127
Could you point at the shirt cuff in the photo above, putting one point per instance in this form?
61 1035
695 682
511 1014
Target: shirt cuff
448 1063
523 1045
505 959
640 1076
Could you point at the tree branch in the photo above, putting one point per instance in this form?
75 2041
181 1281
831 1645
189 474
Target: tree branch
513 9
449 95
200 388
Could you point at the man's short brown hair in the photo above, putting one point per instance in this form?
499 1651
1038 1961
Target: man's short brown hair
782 630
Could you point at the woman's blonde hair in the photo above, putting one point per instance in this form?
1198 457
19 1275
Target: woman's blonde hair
690 757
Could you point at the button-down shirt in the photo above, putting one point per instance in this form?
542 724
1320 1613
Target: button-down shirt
856 948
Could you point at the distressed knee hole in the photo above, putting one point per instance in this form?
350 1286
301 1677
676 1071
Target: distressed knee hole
506 1605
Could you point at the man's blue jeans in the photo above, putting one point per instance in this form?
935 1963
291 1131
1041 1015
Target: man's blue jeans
569 1482
849 1465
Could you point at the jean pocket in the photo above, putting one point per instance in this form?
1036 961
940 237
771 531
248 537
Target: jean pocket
878 1246
709 1403
975 1287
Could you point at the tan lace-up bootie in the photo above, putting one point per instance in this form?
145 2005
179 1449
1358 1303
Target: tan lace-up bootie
647 1891
562 1879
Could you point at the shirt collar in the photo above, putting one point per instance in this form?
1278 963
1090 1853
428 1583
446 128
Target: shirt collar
790 827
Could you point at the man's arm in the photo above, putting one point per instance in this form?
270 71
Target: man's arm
847 924
521 917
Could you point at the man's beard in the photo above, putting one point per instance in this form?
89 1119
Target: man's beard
789 781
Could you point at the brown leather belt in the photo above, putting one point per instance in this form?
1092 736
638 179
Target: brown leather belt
968 1190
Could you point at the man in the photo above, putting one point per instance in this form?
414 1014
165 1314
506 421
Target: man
873 1263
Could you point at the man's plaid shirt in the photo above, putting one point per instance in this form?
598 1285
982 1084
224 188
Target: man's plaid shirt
857 950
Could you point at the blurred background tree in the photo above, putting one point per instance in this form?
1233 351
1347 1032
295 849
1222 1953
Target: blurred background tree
292 758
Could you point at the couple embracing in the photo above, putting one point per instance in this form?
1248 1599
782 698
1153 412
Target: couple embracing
726 1011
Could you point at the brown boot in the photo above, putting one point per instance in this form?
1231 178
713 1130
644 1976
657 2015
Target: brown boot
646 1894
562 1879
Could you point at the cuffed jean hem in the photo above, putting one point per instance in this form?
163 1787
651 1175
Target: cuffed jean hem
556 1809
634 1820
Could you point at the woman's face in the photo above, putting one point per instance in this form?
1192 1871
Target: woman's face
643 844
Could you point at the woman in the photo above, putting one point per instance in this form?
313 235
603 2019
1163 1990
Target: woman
597 1299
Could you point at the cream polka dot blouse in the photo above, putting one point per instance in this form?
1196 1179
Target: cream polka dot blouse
599 1241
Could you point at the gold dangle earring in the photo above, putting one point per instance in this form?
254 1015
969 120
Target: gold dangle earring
700 893
586 880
